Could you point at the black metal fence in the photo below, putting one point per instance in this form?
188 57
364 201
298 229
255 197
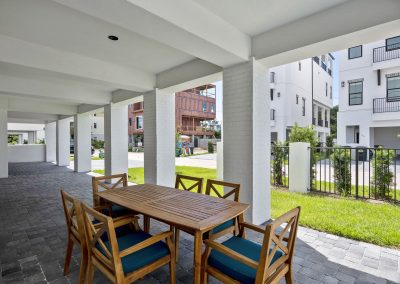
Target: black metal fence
280 166
386 52
364 173
381 105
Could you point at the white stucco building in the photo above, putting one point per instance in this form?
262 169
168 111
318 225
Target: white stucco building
369 95
301 92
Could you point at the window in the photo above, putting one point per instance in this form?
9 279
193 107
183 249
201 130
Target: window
393 43
204 106
355 93
393 88
326 89
355 52
299 66
130 121
303 107
212 107
139 122
271 93
297 99
272 114
330 92
95 125
272 77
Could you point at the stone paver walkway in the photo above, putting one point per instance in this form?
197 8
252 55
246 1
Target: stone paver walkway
33 238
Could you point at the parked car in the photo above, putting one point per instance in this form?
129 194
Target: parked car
71 149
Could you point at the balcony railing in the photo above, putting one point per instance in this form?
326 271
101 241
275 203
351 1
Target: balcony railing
381 105
326 123
387 52
320 122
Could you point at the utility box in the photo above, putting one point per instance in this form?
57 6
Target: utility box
299 167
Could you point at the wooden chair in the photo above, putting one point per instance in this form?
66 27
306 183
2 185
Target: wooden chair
238 260
129 257
76 233
187 183
105 183
224 190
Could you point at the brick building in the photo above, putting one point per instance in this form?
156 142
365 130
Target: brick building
193 109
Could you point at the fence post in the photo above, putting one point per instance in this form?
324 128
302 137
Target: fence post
299 167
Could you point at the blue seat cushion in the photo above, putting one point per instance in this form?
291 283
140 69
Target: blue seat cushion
142 257
223 226
236 269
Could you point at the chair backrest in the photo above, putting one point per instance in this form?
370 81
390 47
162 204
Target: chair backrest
74 218
105 183
189 183
96 234
280 235
223 189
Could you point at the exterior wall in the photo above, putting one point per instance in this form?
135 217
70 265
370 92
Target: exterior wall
98 131
26 153
291 81
363 115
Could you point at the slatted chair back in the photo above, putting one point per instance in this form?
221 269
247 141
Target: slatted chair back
106 258
279 237
189 183
73 218
105 183
223 189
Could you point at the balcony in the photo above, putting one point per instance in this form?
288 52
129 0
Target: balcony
320 122
382 105
195 130
387 52
326 123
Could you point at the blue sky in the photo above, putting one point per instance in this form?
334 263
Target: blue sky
335 76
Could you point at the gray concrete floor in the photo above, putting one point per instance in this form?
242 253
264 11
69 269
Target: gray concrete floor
33 238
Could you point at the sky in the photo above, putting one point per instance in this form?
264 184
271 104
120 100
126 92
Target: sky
335 90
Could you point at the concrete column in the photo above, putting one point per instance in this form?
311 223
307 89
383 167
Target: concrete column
247 136
116 139
299 167
51 141
63 142
3 140
82 143
159 138
20 139
31 137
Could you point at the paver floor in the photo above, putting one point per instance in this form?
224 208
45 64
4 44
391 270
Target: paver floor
33 238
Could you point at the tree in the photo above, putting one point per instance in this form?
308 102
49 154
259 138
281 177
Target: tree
12 139
342 163
383 175
334 112
303 134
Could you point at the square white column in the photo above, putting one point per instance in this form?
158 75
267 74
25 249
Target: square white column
82 143
116 139
51 141
159 138
246 136
63 142
3 140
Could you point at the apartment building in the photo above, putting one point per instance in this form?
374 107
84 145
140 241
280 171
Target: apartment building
369 96
301 92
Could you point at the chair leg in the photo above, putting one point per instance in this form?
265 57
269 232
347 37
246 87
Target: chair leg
204 259
68 255
83 268
146 223
172 269
289 276
90 272
176 244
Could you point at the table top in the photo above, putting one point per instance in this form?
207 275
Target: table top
191 210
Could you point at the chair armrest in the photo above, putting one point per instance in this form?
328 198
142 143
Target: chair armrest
231 253
146 243
252 227
101 207
125 220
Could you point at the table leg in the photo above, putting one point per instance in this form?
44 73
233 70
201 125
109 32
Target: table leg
198 249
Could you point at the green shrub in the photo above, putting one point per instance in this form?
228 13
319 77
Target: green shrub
329 141
98 144
130 148
278 162
342 165
12 139
383 176
210 147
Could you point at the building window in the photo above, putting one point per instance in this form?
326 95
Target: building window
95 125
353 134
355 52
299 66
139 122
326 89
303 106
355 93
393 88
330 92
130 121
393 43
272 77
204 106
272 114
271 93
297 99
212 107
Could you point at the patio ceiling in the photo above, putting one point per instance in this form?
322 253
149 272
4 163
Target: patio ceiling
57 51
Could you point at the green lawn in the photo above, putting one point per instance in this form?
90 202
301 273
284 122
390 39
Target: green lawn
94 158
360 220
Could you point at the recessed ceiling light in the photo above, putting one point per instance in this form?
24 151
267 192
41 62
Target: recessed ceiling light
113 37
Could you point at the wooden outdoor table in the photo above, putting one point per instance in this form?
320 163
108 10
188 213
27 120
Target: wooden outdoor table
193 212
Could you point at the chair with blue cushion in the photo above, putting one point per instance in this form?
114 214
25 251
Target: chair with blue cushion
125 258
238 260
222 189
